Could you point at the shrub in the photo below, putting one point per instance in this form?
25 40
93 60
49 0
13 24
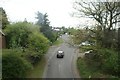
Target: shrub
32 56
17 34
110 62
38 46
107 60
26 36
13 65
38 43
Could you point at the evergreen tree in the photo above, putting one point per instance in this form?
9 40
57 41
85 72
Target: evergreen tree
3 18
45 27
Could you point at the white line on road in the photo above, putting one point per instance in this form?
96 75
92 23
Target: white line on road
59 67
53 54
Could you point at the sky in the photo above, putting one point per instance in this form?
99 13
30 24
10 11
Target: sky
58 11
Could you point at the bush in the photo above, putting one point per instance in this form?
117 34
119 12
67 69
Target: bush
32 56
17 34
107 60
110 61
38 43
26 36
38 46
52 36
13 65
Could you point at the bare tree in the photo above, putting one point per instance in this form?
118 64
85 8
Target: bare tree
107 15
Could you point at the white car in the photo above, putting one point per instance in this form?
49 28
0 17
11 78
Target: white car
85 44
60 54
90 51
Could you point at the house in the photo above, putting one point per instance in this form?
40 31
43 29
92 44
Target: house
57 28
2 40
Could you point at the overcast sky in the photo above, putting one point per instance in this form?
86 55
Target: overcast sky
58 11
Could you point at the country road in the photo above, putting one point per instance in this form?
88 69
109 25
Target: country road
60 67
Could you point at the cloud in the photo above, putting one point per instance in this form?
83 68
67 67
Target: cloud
57 10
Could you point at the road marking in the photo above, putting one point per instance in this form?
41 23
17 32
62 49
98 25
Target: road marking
59 67
53 54
48 63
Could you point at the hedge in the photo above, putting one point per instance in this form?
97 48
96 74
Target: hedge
13 65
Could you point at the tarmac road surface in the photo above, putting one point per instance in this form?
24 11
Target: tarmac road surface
60 67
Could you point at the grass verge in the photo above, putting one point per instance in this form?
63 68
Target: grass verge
87 72
58 42
38 69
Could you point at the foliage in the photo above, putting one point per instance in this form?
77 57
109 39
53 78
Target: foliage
80 35
13 65
64 30
87 48
38 46
38 43
106 14
104 34
17 34
58 41
71 31
20 35
91 72
50 35
109 60
105 60
45 28
38 69
3 18
40 18
26 37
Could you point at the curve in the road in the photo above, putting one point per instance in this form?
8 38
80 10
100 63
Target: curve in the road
60 67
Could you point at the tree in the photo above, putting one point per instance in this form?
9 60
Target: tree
3 18
27 38
104 33
40 18
105 13
45 27
71 31
17 34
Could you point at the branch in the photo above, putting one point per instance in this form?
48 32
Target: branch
116 14
97 19
92 31
115 22
93 5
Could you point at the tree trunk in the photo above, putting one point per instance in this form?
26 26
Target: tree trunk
118 38
111 14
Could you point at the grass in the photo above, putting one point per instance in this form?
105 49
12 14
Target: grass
86 48
38 69
83 70
58 42
88 72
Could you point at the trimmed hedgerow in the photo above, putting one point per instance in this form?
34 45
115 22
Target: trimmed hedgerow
13 65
